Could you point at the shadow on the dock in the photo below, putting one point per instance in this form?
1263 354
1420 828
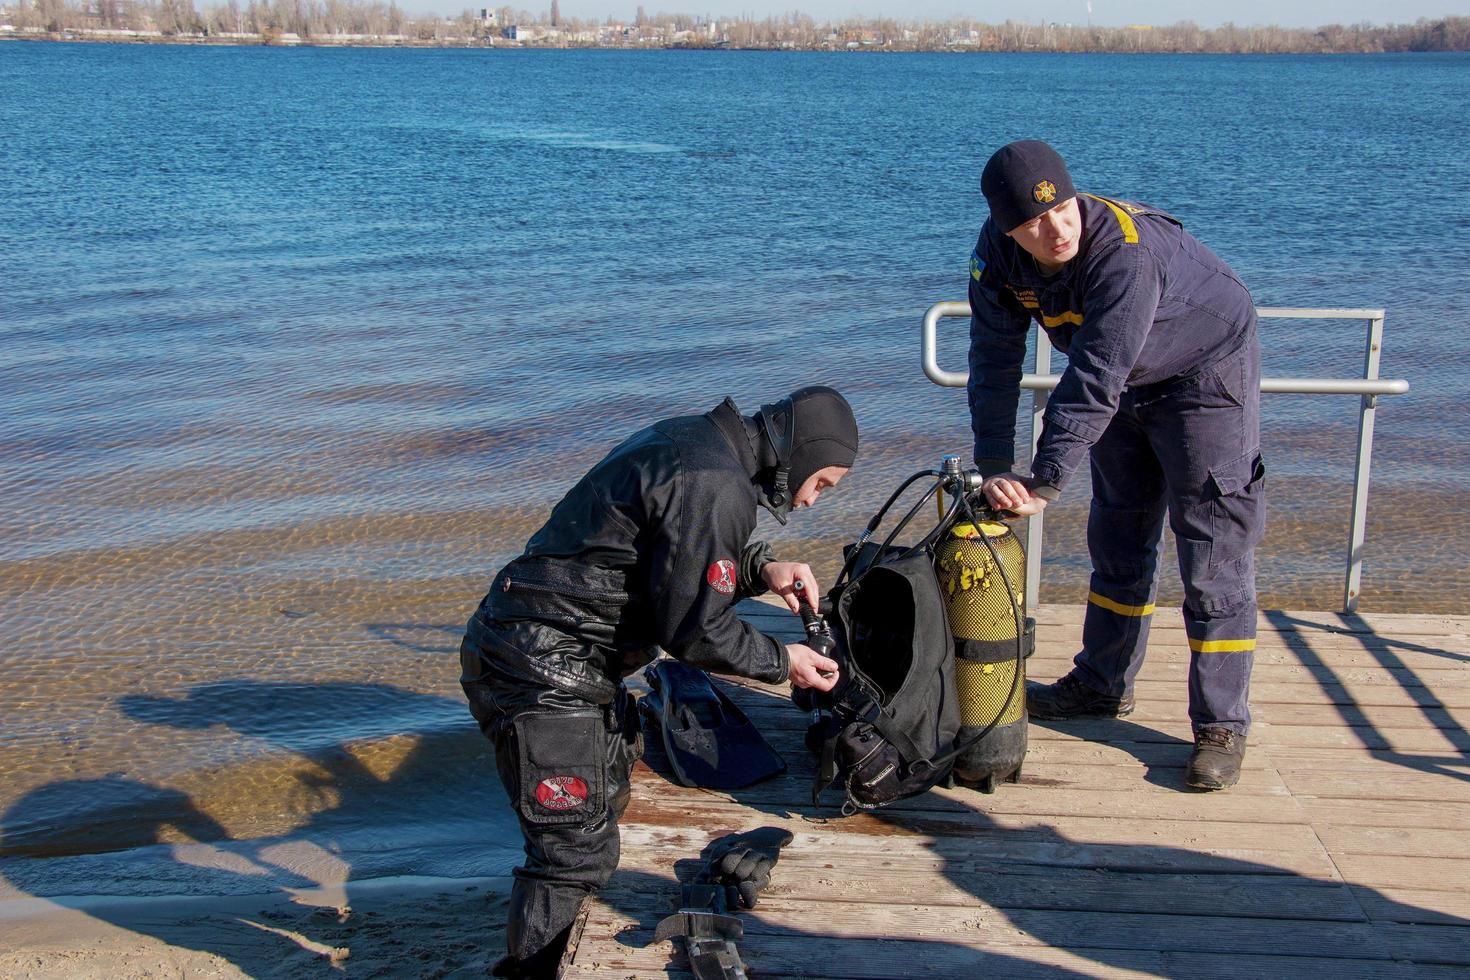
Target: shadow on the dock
935 886
771 951
1162 756
1377 742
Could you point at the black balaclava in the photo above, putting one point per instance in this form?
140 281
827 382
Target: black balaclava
802 433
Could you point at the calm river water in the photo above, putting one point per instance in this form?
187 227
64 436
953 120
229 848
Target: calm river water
300 345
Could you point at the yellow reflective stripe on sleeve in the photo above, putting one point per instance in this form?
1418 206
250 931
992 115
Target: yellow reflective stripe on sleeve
1061 318
1118 607
1130 230
1221 646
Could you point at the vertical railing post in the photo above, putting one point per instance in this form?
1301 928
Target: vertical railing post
1357 529
1034 525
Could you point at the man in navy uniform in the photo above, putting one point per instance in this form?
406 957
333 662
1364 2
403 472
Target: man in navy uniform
1162 386
650 549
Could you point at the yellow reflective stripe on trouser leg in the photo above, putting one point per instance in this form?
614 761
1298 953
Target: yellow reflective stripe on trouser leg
1221 646
1118 607
1130 230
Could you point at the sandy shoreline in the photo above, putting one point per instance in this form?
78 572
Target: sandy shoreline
428 927
286 907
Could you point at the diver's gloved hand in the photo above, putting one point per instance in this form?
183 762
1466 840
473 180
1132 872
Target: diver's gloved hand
743 863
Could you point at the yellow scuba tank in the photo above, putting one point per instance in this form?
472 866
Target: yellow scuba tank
990 675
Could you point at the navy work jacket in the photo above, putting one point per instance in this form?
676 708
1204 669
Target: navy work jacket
1142 302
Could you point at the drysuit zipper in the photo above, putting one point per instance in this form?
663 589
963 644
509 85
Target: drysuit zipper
508 584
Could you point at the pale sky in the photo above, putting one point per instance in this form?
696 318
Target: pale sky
1304 13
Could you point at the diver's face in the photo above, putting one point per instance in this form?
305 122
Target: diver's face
827 476
1052 237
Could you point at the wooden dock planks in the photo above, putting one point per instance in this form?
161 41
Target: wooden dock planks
1344 851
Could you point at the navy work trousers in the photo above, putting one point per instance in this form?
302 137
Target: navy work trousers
1190 448
566 766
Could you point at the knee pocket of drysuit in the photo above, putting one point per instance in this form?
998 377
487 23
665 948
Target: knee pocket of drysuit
562 768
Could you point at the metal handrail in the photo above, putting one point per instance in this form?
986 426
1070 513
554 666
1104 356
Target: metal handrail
1368 387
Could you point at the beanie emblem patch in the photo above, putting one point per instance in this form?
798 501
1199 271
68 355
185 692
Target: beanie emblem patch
1045 192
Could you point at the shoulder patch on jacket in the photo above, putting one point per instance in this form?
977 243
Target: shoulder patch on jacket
977 265
721 576
1121 213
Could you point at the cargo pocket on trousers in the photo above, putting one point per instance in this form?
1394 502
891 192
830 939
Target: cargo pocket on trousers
1234 379
1238 514
563 779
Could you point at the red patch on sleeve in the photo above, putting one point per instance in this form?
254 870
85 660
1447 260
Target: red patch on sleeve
721 576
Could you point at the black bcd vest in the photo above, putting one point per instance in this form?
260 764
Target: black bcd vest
887 730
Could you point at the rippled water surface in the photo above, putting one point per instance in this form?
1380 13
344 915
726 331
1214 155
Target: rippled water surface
299 345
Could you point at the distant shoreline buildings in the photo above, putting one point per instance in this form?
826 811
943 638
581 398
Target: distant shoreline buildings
340 23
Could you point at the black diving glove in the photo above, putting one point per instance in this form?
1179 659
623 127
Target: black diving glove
743 863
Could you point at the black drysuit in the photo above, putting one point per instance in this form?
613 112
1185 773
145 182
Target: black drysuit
650 549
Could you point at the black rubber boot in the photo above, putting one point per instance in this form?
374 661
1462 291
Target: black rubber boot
1070 698
542 965
1215 764
506 968
539 968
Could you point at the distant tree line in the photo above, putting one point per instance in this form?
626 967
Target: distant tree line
1446 34
267 18
327 19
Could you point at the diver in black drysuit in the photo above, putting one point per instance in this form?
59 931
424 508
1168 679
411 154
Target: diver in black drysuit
650 549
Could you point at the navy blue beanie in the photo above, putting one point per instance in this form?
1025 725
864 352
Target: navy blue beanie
1022 180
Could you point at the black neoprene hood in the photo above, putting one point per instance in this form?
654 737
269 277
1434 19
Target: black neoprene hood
826 433
806 431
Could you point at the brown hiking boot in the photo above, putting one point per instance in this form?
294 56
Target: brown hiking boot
1070 698
1215 764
